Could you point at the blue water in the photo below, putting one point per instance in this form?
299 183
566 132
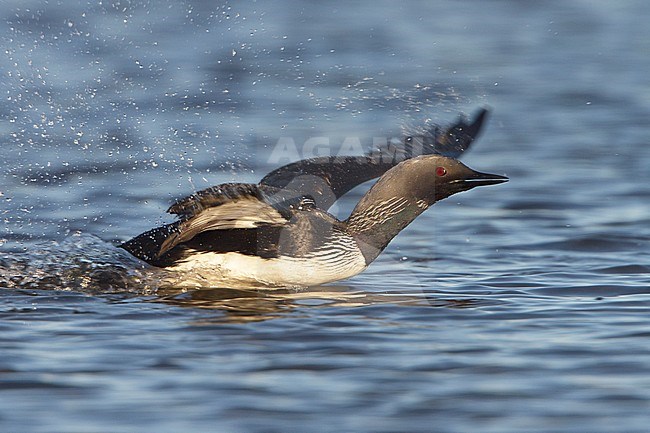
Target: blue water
521 307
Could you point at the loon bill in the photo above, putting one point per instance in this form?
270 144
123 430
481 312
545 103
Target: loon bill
278 232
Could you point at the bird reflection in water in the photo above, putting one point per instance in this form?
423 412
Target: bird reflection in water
253 305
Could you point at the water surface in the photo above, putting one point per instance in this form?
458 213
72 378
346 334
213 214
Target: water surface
521 307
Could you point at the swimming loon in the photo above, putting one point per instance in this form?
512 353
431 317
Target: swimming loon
278 232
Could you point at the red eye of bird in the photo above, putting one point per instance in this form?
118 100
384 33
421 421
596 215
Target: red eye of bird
441 171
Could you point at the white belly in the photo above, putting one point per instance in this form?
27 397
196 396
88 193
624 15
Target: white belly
209 269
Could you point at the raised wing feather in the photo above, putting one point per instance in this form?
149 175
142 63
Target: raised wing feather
457 138
228 206
326 178
223 207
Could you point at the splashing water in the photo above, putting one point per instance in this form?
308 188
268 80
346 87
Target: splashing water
81 262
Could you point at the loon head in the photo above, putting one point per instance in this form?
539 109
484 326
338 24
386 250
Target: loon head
430 178
444 177
404 192
422 181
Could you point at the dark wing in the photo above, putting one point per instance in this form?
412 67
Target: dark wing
147 245
457 138
223 197
326 179
223 207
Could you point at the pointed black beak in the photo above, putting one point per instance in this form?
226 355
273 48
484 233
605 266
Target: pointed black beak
483 179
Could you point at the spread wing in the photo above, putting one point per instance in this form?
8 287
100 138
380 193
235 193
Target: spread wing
223 207
326 179
457 138
227 199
